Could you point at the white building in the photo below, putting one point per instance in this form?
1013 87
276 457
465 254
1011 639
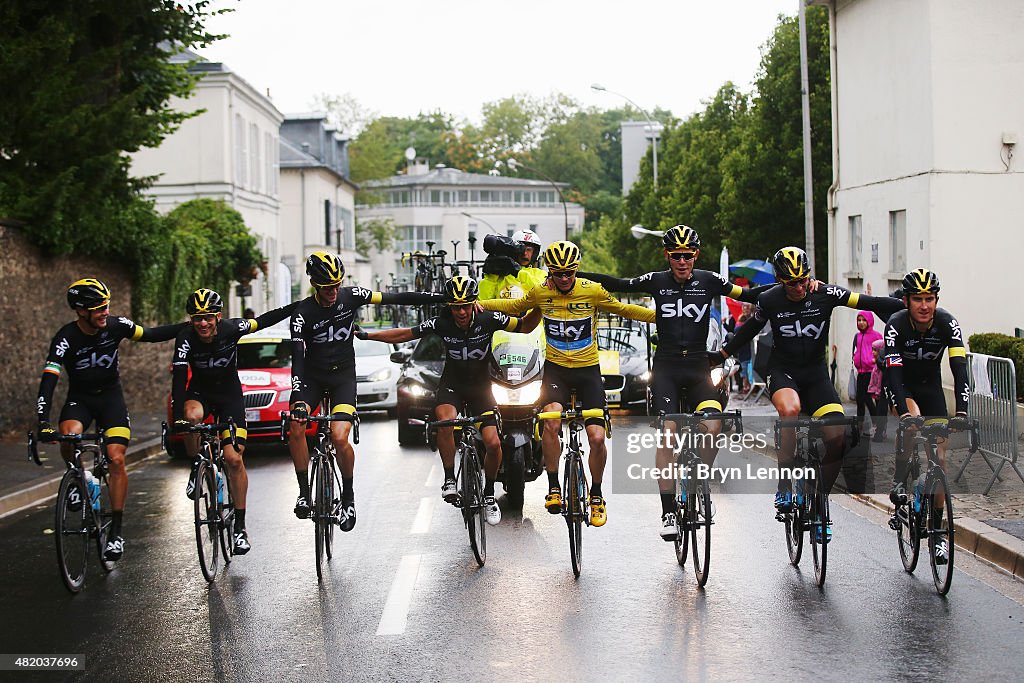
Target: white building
636 137
927 111
228 152
446 204
317 200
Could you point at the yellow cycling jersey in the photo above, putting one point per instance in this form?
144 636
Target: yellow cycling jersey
570 319
511 286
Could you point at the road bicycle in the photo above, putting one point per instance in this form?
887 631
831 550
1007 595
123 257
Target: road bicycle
324 481
810 509
83 512
928 511
694 509
469 478
575 489
213 504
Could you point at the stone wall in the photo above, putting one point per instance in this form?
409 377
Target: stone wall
32 308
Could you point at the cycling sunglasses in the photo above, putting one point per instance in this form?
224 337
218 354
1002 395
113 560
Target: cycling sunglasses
682 255
204 318
562 274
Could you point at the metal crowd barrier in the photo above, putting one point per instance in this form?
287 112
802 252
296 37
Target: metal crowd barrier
993 383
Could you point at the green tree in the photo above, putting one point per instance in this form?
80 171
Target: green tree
207 245
85 84
379 151
344 112
377 234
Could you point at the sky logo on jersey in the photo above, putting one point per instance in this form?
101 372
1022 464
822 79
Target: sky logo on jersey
467 354
676 309
332 335
837 292
62 348
362 293
802 330
922 355
95 360
297 323
210 363
184 349
569 335
955 327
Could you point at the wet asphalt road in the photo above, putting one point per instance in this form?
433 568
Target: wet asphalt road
404 598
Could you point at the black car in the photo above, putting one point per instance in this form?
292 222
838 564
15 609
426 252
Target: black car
624 369
417 386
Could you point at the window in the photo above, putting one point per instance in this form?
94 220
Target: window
348 228
328 221
255 164
241 152
897 241
412 237
270 163
435 196
856 243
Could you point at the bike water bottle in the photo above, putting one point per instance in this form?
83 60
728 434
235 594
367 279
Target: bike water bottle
918 493
94 489
220 489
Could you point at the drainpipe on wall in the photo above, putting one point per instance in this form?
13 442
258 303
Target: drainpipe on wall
834 88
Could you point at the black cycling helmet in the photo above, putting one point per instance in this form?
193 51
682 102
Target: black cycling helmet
88 293
203 302
680 237
791 264
325 269
461 290
920 281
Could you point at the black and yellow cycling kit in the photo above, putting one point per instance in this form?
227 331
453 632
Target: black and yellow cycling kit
912 359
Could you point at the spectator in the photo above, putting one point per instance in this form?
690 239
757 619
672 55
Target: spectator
744 354
863 363
248 313
875 391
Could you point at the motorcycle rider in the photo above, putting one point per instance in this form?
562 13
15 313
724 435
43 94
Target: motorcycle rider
510 269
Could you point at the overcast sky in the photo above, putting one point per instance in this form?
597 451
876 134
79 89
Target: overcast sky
401 57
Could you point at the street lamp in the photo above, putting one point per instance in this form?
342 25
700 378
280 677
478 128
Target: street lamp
650 124
477 218
513 164
640 232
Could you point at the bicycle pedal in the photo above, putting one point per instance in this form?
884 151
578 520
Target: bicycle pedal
894 523
781 516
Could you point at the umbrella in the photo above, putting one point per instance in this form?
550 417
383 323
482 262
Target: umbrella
758 272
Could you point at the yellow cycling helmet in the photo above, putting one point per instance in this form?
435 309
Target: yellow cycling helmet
680 237
88 293
461 290
324 269
562 256
203 302
920 281
790 264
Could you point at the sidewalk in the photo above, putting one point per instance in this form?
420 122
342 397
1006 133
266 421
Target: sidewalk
26 484
990 527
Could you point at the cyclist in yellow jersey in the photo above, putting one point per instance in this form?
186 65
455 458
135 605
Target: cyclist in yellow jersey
569 306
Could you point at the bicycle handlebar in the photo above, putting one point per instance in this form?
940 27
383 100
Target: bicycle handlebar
571 414
286 417
33 443
204 428
694 419
929 431
809 421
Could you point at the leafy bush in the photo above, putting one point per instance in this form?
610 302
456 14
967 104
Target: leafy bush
1004 346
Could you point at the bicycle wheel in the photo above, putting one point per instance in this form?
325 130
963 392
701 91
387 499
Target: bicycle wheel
700 521
819 526
473 506
908 535
207 520
939 527
321 510
226 514
795 522
331 495
71 529
575 501
682 542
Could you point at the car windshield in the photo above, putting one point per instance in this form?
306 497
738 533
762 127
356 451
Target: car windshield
621 339
259 355
365 347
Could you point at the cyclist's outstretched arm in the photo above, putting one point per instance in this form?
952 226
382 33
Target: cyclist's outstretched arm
884 306
157 334
620 284
606 302
395 335
530 322
746 333
271 317
510 306
406 298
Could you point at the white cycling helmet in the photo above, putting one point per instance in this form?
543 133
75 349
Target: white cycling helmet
528 237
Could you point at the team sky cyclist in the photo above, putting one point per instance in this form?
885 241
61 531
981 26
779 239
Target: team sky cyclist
209 346
87 350
569 306
465 380
682 296
914 341
499 280
323 362
798 378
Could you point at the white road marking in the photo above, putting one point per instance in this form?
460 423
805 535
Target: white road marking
434 479
396 609
421 524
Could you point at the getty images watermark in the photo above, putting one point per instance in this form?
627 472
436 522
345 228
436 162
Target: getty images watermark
740 465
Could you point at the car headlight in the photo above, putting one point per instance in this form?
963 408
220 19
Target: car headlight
525 395
644 376
417 390
379 375
284 395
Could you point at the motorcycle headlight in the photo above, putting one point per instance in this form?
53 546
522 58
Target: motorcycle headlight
525 395
644 376
416 390
379 375
717 375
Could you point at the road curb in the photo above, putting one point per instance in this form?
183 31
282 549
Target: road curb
985 542
46 489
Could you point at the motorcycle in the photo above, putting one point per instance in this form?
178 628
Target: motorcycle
516 367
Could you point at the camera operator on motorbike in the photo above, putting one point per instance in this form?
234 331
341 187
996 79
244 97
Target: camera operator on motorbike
510 269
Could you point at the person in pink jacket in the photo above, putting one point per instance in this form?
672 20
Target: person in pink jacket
864 362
